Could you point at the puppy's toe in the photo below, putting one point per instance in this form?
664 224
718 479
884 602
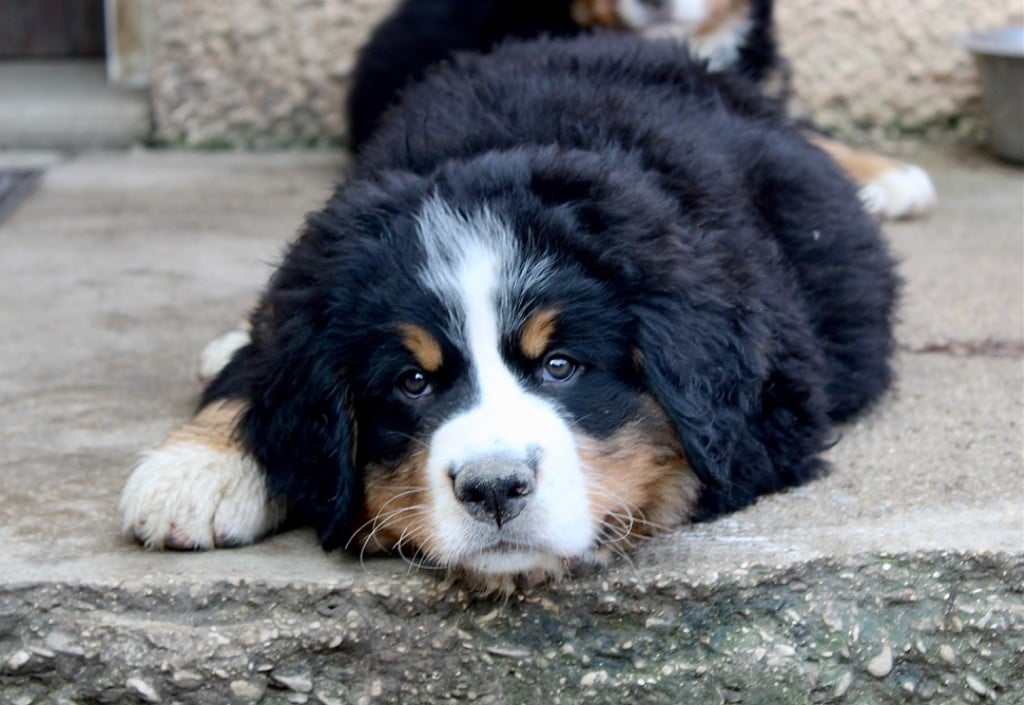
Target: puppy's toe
904 191
219 351
187 494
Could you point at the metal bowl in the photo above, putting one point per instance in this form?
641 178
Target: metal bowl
999 55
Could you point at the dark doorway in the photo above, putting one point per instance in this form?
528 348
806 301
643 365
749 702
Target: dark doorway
51 28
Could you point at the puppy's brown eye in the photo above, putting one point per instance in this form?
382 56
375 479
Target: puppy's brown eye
558 367
414 384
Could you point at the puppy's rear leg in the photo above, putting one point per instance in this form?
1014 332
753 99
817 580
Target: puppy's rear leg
219 351
888 189
199 489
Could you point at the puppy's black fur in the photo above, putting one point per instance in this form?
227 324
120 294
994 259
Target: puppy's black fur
754 292
421 34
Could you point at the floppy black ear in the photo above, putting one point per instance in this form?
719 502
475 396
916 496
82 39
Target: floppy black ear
744 388
298 427
707 372
297 424
706 366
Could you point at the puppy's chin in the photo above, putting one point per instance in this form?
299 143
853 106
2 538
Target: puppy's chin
502 574
511 562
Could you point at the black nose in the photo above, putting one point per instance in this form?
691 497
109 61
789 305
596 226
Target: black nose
494 489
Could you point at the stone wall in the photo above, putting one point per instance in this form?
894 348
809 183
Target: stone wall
256 73
889 66
263 73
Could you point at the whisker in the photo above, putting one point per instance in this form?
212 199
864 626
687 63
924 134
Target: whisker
373 520
380 522
410 532
623 528
636 514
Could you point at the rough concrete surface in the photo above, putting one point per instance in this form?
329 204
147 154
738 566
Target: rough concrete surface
897 578
274 72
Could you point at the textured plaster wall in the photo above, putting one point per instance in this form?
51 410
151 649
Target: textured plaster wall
274 72
889 66
256 72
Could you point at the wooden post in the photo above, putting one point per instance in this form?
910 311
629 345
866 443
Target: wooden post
131 41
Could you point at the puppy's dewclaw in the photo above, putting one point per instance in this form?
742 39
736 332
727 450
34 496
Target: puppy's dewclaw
198 490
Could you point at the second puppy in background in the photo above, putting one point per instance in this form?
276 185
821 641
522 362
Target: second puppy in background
735 36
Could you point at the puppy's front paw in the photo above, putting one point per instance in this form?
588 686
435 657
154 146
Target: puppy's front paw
903 191
199 490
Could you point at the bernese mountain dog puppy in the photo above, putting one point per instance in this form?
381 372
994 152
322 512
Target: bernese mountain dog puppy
572 293
420 34
730 35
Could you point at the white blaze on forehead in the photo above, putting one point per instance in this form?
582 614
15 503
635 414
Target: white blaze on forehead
473 261
476 267
638 15
721 48
718 42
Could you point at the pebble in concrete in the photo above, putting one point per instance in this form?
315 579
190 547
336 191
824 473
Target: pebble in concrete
881 665
18 659
187 679
246 690
299 683
977 685
145 691
843 685
593 678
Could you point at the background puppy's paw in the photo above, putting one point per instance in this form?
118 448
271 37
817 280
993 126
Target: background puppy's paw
903 191
198 491
218 352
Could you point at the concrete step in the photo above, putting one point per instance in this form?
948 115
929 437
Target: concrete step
68 105
942 627
898 577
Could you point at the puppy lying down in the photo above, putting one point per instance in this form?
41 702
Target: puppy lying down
571 294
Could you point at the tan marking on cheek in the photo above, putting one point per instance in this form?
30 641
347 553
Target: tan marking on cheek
596 13
640 481
397 510
721 13
537 333
213 427
422 345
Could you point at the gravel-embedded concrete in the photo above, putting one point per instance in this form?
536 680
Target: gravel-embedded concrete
898 577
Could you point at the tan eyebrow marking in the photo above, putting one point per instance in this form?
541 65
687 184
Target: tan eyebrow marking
422 345
595 13
537 332
721 12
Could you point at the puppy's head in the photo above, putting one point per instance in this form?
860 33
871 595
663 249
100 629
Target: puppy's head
471 370
680 19
714 29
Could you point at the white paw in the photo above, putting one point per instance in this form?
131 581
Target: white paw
218 352
902 192
190 494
